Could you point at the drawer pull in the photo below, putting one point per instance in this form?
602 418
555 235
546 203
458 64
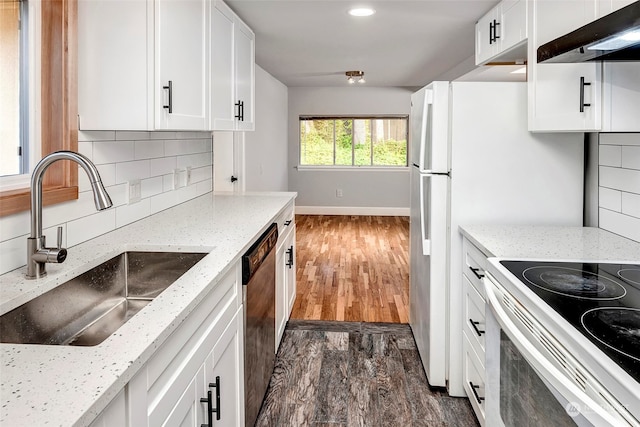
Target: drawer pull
475 393
475 327
475 272
209 401
287 222
290 256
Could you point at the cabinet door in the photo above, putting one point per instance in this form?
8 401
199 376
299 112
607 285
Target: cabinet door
226 365
485 44
562 97
222 68
189 411
244 77
290 273
113 415
281 295
181 64
513 23
113 75
605 7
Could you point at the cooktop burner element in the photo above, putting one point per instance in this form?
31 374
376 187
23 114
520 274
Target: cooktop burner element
600 300
631 275
573 282
616 327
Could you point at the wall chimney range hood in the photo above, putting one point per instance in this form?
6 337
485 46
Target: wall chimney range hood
614 37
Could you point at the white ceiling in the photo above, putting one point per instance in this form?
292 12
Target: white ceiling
406 43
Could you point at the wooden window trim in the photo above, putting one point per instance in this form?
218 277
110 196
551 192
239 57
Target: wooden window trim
59 101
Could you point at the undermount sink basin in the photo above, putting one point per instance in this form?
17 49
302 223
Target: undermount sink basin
87 309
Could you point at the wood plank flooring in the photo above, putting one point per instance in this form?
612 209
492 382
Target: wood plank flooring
355 374
352 268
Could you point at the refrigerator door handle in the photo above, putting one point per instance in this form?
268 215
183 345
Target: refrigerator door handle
424 217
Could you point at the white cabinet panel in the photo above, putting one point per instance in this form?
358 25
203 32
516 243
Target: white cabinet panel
245 74
181 48
222 68
113 415
502 32
188 411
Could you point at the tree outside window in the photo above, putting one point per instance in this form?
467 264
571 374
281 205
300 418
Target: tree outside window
353 141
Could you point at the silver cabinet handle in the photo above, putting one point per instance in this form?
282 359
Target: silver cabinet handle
582 103
169 87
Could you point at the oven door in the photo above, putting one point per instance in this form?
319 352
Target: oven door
531 380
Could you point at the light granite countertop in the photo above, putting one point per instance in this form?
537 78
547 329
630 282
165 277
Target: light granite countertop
552 243
70 386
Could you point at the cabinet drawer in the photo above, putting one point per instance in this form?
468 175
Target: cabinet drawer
474 317
285 221
176 363
474 380
474 266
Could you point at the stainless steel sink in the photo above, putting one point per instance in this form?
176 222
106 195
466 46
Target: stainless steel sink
89 308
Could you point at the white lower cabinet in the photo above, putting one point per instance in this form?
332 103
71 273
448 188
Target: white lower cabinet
173 387
473 268
113 415
285 271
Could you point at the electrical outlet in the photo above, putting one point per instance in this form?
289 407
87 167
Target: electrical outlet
135 191
188 175
339 192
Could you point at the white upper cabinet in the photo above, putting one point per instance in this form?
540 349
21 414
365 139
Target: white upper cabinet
114 88
562 97
232 71
501 34
181 61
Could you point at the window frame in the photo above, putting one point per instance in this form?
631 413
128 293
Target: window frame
57 102
351 167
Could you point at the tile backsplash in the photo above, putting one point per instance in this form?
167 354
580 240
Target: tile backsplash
619 184
158 159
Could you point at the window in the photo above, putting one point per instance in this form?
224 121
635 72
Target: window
379 141
13 87
53 57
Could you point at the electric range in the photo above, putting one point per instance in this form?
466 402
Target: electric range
592 309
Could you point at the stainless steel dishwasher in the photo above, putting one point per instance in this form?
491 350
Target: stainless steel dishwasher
259 296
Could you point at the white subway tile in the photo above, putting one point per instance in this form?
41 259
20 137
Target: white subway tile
610 155
194 160
129 213
133 135
163 201
118 194
107 176
187 193
96 135
86 149
112 152
162 135
163 166
187 146
88 227
149 149
621 179
610 199
193 135
201 174
69 211
620 138
151 186
621 224
15 225
132 170
631 204
167 182
631 157
204 187
14 253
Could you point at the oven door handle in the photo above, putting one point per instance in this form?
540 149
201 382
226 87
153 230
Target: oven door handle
567 388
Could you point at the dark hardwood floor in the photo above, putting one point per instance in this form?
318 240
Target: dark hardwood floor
355 374
353 268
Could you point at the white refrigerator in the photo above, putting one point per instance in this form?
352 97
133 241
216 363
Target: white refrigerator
474 162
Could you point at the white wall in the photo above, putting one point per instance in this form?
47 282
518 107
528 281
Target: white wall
266 147
120 157
364 190
619 184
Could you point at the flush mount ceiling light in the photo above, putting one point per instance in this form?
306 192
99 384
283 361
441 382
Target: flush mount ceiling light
355 76
361 11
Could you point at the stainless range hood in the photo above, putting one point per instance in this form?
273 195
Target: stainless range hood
614 37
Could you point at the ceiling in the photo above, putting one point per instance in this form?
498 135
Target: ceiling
404 44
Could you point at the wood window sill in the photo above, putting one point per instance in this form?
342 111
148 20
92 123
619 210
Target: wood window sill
15 201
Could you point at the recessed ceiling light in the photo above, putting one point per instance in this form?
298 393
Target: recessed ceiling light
361 11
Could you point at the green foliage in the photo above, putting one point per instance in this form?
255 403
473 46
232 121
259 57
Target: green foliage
317 149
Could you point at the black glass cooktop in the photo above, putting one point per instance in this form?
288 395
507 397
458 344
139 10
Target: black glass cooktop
601 300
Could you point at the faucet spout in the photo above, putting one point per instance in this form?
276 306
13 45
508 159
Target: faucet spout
37 252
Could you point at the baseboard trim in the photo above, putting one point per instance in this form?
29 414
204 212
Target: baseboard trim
351 210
